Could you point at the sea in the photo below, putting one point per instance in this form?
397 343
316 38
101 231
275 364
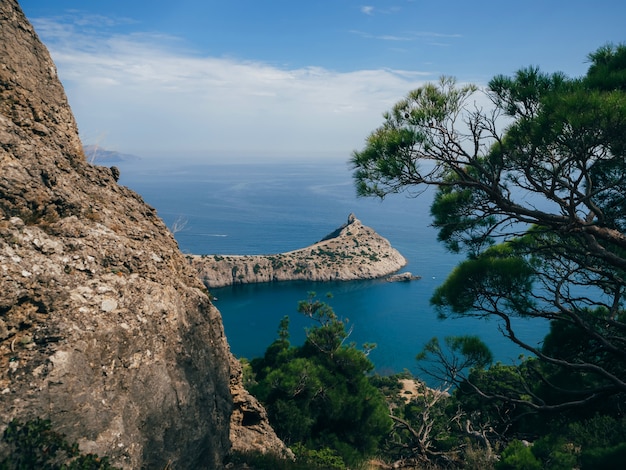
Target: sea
273 207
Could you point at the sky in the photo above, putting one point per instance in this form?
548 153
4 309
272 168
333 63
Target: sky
261 80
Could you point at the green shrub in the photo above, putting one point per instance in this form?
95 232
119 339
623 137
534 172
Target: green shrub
325 458
518 456
555 453
259 461
597 431
607 458
35 446
306 459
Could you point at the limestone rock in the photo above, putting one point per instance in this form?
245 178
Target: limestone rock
353 251
104 328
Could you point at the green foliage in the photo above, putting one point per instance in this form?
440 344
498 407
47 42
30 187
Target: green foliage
607 458
389 385
608 68
277 263
325 458
562 440
508 381
497 276
449 363
555 453
518 456
306 459
35 445
451 217
391 159
598 431
568 342
247 373
532 192
429 416
319 394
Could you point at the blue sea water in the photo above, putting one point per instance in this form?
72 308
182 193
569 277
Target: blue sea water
267 208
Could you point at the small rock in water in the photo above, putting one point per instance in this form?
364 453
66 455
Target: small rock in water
402 277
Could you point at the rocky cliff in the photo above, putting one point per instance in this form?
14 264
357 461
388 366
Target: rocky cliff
353 251
104 327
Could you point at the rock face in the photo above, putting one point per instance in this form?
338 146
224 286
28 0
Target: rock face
351 252
104 327
250 430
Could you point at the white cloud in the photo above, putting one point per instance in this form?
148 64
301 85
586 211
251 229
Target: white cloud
145 94
367 9
410 36
382 37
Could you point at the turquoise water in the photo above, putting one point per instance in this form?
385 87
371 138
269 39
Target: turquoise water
272 208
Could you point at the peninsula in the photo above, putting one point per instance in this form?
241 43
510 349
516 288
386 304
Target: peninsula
351 252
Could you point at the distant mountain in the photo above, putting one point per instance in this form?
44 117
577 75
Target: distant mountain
101 156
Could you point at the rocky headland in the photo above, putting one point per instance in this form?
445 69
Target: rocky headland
353 251
105 329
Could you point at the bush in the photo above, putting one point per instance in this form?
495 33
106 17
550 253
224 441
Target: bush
259 461
518 456
306 459
555 453
35 446
325 458
608 458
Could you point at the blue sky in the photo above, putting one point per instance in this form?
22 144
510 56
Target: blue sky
253 79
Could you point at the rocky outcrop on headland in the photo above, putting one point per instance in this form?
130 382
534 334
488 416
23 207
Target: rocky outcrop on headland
104 328
351 252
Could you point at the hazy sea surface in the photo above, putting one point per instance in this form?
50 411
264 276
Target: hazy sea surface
267 208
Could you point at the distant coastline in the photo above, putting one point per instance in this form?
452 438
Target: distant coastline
101 156
352 252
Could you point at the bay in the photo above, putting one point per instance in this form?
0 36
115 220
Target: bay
268 208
